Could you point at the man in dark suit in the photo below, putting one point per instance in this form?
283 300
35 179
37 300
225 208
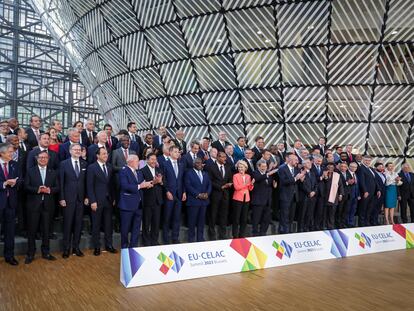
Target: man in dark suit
343 206
152 201
203 153
72 175
134 137
4 131
350 155
354 195
289 175
33 132
44 141
88 134
378 201
248 157
175 193
221 143
321 146
258 148
406 192
92 149
73 138
230 161
101 198
308 189
20 156
369 190
166 142
111 141
320 207
9 183
131 184
281 151
13 126
180 142
42 184
164 157
189 158
198 189
261 198
157 139
221 179
148 141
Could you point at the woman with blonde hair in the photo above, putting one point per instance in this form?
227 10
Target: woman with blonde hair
243 184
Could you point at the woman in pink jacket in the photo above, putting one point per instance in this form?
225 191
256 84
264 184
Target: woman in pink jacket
243 184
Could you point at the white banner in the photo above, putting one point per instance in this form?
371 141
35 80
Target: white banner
167 263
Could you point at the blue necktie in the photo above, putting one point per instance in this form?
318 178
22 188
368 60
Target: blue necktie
407 175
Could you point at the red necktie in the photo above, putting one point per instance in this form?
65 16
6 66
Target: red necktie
350 157
6 172
126 154
109 142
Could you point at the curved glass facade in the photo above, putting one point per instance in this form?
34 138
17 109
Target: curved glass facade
343 69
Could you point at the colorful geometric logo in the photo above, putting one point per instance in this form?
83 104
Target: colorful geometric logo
339 243
406 234
131 262
282 249
174 262
255 258
363 239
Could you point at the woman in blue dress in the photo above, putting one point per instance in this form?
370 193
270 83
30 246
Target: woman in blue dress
391 182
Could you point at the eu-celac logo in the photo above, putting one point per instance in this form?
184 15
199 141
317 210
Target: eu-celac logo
282 249
174 262
364 240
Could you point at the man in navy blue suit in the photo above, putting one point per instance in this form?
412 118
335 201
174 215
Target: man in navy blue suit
101 198
175 192
289 175
198 189
261 198
189 158
44 141
9 183
72 175
88 133
92 149
33 132
369 189
73 138
131 182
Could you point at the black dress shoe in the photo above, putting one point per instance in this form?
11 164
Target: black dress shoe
97 252
111 250
77 252
65 254
28 260
48 257
12 261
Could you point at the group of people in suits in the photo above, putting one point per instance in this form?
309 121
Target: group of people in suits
143 183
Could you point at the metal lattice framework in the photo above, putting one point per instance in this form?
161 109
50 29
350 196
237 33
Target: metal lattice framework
343 69
35 75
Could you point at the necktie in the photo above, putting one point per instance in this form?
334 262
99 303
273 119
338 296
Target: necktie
90 138
319 170
222 170
77 171
6 172
37 135
200 175
175 168
22 146
135 174
194 157
206 154
104 169
16 155
292 171
43 175
109 142
126 154
407 175
132 137
350 156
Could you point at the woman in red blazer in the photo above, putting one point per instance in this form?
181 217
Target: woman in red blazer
243 184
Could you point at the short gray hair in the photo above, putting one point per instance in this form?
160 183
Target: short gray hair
261 161
4 147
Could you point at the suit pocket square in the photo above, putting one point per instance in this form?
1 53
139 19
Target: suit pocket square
84 169
127 194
